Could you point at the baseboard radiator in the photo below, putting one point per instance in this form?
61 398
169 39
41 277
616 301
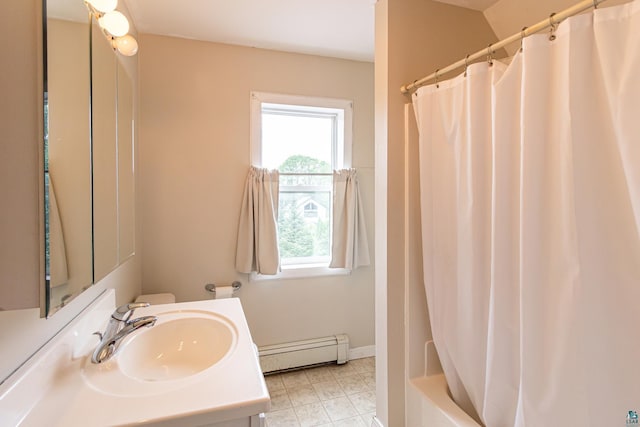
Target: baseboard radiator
298 354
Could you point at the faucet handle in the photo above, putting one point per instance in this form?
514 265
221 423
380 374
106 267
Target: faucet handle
124 312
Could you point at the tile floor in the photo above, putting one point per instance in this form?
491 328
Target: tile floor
332 395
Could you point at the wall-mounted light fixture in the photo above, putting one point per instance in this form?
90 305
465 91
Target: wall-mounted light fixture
115 26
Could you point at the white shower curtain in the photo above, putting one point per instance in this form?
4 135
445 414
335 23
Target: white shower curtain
530 194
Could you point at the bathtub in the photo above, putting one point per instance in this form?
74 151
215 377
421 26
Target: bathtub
437 408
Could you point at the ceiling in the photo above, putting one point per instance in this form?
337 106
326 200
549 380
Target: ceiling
336 28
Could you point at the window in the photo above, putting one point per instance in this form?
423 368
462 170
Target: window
305 139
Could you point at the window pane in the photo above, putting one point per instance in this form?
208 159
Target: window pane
295 143
304 225
325 181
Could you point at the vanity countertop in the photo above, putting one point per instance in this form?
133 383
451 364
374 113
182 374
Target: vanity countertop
60 387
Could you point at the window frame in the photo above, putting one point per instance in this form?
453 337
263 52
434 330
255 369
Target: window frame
342 159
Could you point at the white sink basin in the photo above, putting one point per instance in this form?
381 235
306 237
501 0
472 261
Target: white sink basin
167 356
176 348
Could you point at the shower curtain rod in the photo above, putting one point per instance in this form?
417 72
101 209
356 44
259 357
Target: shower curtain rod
552 21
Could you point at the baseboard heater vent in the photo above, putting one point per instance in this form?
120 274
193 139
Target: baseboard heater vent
297 354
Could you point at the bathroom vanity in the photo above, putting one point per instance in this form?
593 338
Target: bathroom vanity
197 366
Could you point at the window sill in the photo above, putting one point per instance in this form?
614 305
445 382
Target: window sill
298 272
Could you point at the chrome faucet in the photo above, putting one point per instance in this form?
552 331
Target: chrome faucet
120 325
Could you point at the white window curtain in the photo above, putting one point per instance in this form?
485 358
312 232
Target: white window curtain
530 196
349 247
257 249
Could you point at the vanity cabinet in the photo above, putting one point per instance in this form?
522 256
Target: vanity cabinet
254 421
60 386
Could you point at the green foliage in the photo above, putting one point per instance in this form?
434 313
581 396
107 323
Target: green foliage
295 238
299 237
321 239
304 164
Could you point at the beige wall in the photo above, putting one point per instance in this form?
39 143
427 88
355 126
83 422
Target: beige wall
194 155
421 36
22 331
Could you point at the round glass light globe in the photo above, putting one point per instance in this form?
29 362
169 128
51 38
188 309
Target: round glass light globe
103 6
115 23
126 45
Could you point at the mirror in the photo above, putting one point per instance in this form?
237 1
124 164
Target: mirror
68 223
105 180
126 181
113 173
89 155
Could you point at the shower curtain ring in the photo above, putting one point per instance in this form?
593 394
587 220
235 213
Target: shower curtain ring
437 85
466 64
554 25
489 55
595 4
523 34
